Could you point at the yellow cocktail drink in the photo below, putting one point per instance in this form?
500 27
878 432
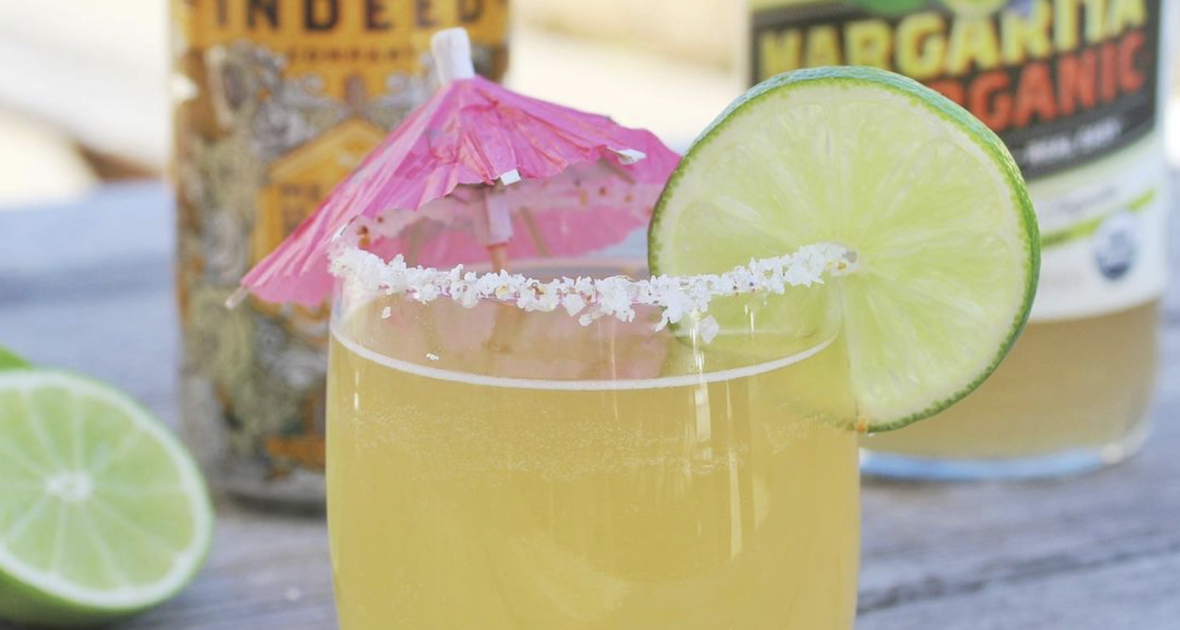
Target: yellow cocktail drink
496 469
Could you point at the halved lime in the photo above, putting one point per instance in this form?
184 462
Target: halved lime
928 198
9 360
102 511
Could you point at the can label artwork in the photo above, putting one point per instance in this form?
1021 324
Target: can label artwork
277 100
1072 87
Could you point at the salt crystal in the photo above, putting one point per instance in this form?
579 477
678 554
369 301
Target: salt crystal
708 328
573 303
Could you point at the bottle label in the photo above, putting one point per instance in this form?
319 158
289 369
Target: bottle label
1073 87
277 101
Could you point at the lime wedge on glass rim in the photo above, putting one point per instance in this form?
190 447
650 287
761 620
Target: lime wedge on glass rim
102 511
928 198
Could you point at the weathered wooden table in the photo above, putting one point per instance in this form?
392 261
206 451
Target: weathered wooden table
89 287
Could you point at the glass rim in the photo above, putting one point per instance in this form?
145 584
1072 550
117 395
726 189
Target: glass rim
586 298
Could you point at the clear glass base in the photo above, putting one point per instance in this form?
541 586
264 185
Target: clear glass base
1059 464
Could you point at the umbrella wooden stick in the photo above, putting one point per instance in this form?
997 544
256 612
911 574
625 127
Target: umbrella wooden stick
452 58
492 223
452 55
499 255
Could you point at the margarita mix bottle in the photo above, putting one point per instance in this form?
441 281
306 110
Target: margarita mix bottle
276 102
1075 88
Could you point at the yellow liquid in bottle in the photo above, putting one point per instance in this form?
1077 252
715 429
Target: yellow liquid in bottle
1082 383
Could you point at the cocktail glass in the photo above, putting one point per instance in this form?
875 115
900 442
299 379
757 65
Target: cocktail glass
493 467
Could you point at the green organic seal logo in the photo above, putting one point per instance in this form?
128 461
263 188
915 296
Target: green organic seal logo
890 7
966 8
975 8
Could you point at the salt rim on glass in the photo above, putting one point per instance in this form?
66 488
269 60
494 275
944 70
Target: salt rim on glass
589 299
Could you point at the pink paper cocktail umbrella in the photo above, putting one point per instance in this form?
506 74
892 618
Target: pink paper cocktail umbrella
478 171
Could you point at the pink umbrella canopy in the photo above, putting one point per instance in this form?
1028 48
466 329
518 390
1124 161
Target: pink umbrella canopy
474 167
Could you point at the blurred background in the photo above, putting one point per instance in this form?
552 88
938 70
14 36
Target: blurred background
83 98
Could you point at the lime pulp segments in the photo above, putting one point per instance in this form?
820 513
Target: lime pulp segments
102 511
926 195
